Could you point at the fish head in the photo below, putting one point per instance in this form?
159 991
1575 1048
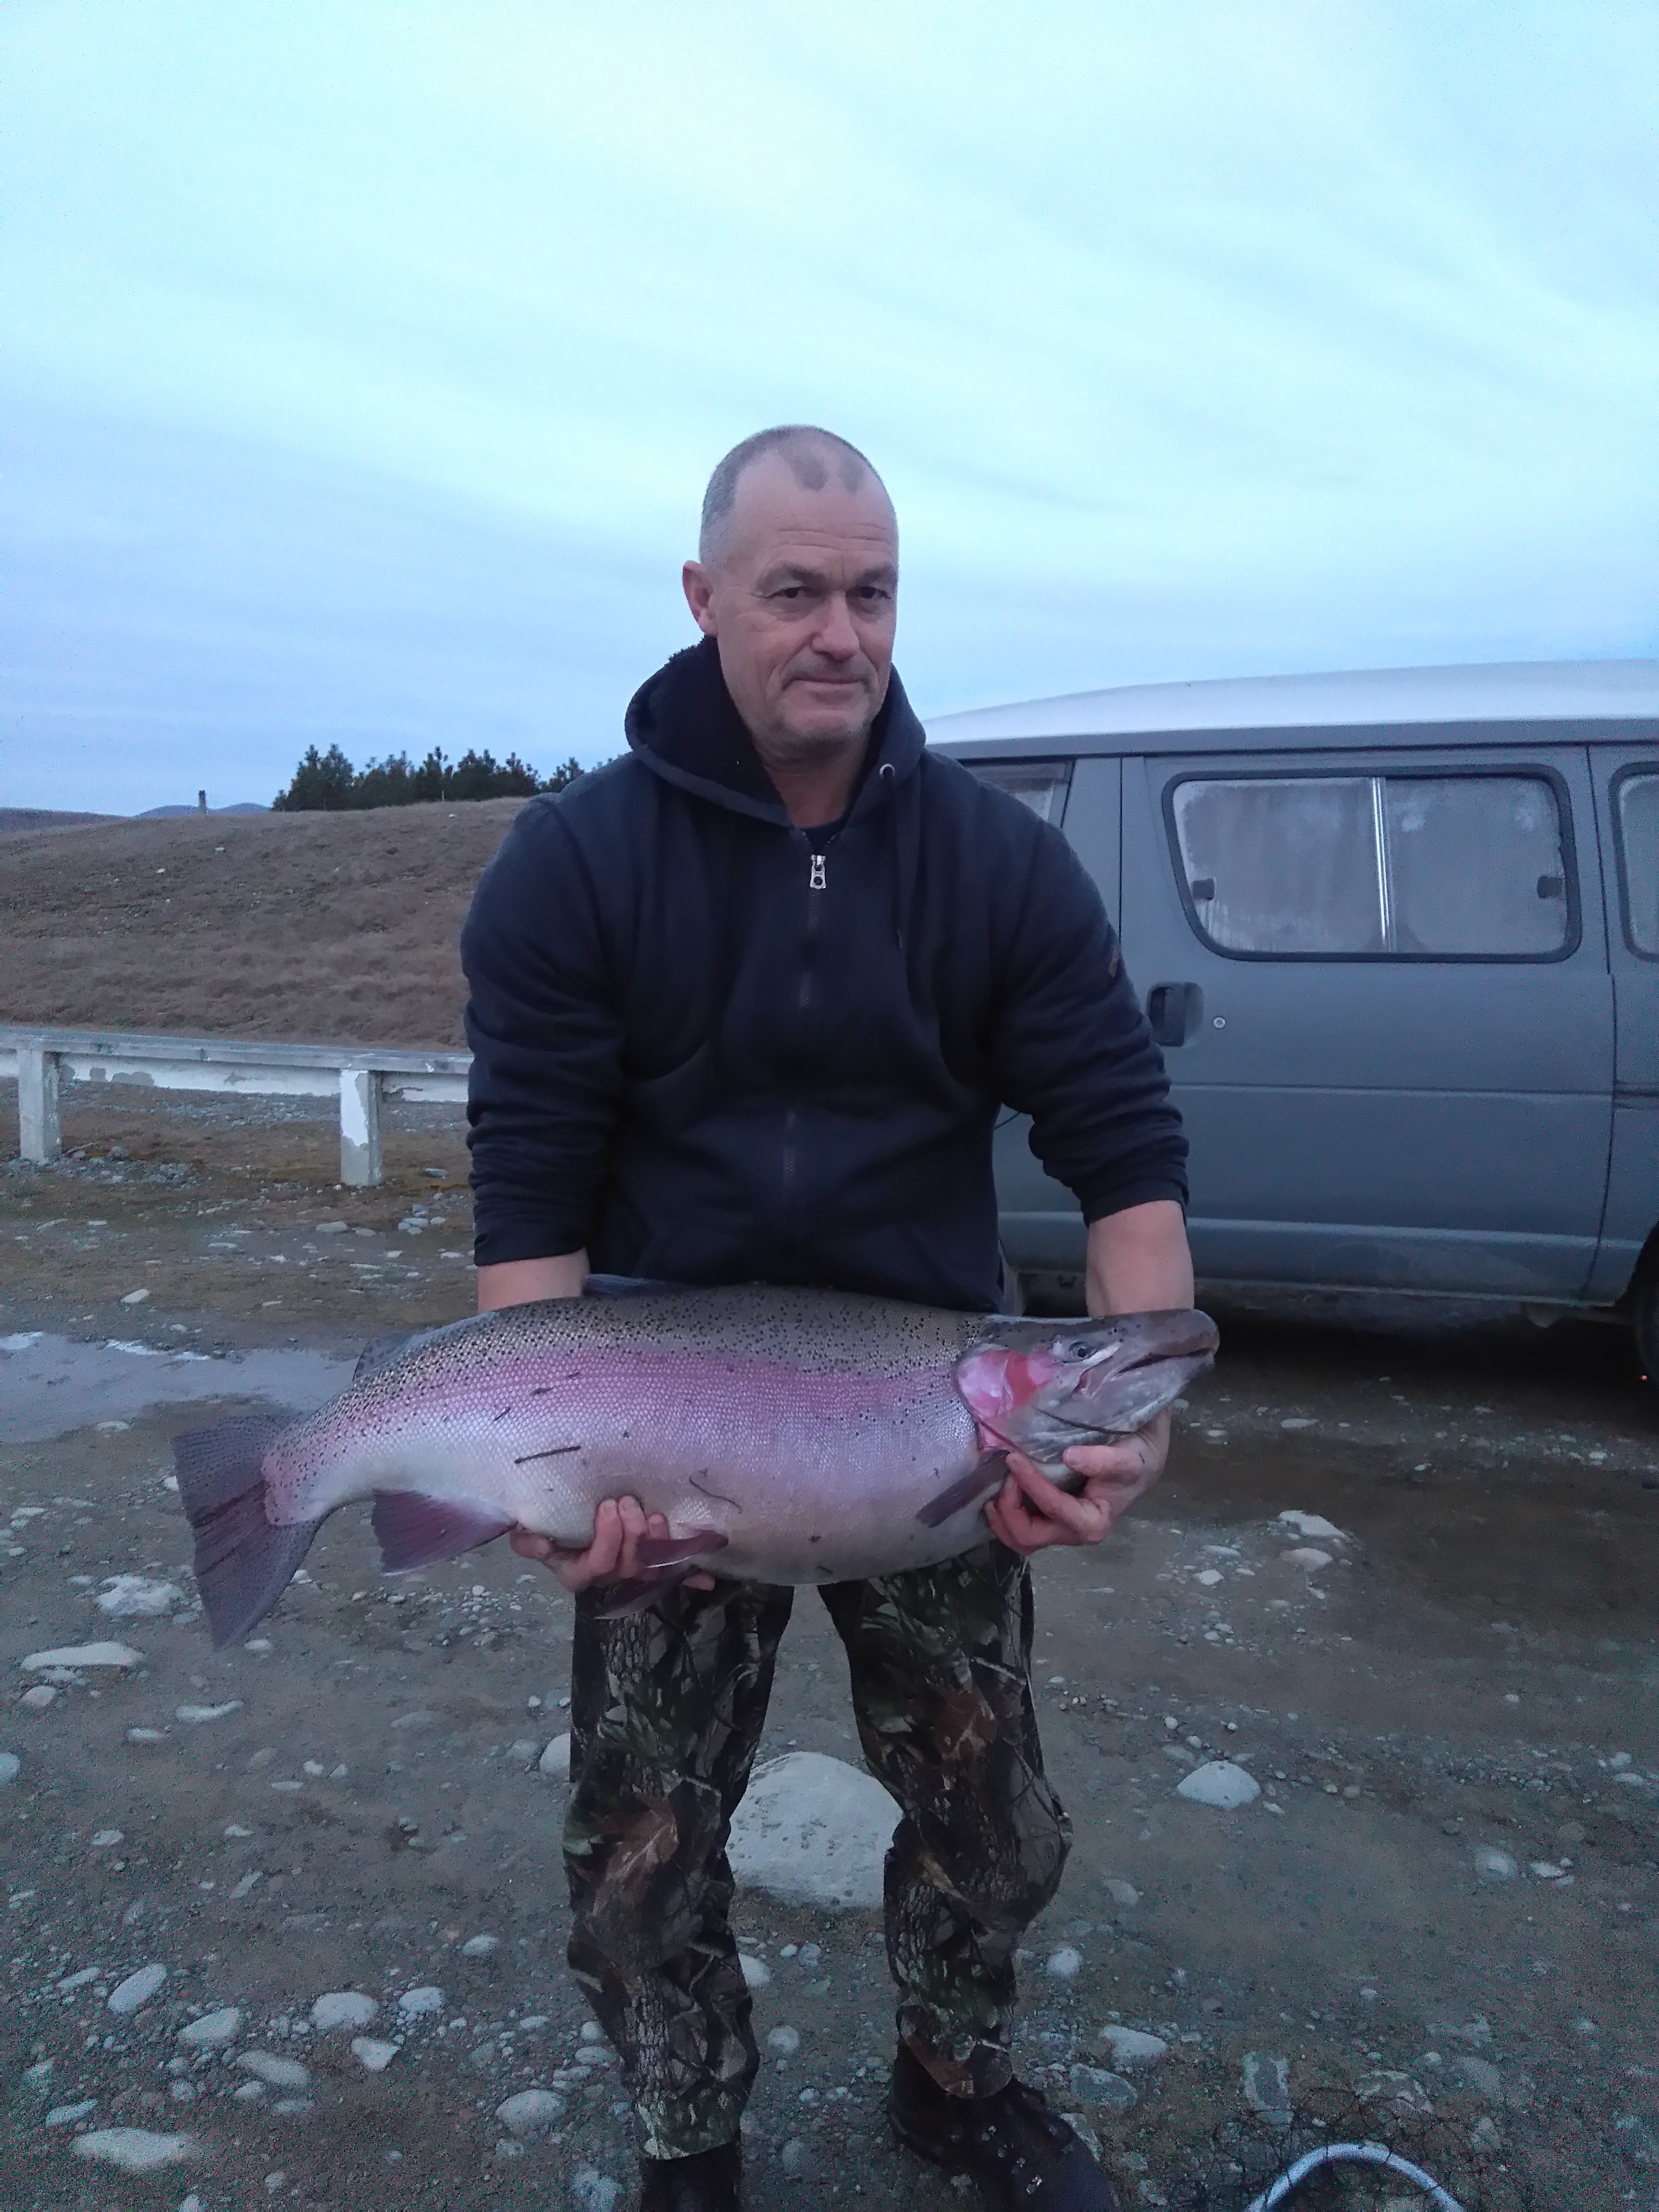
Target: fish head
1038 1387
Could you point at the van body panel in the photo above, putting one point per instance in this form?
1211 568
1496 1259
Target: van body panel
1482 1125
1632 1206
1423 1123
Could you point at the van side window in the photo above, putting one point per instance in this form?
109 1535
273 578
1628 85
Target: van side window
1379 867
1039 785
1638 850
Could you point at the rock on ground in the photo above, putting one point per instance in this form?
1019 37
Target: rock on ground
1108 2093
1268 2086
274 2070
213 2029
1220 1784
594 2191
135 2150
530 2112
83 1655
813 1831
1132 2046
138 1989
342 2008
136 1597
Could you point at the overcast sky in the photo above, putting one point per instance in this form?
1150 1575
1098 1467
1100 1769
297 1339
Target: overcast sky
361 365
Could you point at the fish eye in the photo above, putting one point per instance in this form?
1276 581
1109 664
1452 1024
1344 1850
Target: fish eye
1077 1347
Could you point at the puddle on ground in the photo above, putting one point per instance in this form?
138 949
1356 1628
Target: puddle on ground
50 1385
1538 1544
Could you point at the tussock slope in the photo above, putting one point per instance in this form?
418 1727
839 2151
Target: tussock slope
328 927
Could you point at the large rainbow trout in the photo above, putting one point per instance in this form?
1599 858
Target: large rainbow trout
787 1435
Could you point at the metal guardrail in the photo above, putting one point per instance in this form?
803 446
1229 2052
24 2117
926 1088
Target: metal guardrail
361 1075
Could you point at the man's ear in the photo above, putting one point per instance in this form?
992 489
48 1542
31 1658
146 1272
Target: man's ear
699 588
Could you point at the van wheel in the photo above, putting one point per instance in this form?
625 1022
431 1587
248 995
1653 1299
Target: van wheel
1646 1318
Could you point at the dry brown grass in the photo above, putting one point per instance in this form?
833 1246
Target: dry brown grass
326 926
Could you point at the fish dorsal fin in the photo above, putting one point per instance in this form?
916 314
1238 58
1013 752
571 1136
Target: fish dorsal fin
630 1286
382 1351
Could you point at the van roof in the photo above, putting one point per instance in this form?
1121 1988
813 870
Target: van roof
1468 701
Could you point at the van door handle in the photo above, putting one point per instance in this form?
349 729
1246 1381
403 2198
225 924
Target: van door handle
1175 1011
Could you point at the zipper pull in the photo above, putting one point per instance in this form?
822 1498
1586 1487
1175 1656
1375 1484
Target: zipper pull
815 881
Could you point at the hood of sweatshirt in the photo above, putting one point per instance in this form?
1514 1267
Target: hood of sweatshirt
682 725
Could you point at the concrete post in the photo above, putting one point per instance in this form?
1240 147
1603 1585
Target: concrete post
360 1126
39 1130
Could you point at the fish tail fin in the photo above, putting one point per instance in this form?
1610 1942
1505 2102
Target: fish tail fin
243 1562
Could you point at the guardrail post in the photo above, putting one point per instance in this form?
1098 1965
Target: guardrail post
40 1130
360 1126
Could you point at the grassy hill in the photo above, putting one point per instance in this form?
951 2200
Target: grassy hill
299 926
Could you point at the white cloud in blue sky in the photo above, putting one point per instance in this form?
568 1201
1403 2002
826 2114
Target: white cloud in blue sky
361 365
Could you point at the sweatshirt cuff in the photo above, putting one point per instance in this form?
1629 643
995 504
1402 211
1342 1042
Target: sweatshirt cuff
1101 1200
494 1246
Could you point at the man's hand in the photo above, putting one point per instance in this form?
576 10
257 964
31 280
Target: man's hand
613 1555
1029 1513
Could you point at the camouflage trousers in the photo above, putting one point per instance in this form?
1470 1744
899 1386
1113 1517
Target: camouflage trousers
667 1707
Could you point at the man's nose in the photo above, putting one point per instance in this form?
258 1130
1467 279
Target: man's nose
835 634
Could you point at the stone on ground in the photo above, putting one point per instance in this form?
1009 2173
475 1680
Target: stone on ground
135 2150
138 1989
555 1759
10 1765
372 2054
1268 2086
1106 2093
1494 1865
274 2070
813 1831
136 1597
755 1971
530 2112
1220 1784
594 2191
342 2008
84 1654
1310 1524
1132 2046
213 2029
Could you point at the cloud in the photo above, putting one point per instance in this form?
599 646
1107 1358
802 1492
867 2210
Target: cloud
365 365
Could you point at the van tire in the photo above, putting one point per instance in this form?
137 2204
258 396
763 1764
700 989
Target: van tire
1645 1315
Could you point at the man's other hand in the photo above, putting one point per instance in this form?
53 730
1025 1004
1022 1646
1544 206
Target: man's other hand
1029 1513
613 1555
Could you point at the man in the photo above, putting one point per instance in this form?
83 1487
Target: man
744 1006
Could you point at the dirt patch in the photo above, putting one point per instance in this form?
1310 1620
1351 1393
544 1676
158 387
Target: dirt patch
329 926
1462 1677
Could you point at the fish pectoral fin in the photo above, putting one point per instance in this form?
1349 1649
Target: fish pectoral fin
416 1530
623 1598
990 1473
655 1552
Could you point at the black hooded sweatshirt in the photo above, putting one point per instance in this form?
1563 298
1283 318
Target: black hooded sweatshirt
712 1048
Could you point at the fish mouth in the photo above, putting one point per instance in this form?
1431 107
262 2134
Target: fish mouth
1181 1334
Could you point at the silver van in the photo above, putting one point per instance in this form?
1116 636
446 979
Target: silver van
1398 935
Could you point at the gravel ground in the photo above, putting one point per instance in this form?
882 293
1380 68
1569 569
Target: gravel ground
1434 1925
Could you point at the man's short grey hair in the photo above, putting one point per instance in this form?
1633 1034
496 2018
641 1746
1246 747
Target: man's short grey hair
811 454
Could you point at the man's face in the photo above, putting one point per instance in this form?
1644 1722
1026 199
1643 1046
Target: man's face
802 604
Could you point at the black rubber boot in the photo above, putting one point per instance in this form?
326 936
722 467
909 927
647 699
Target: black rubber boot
709 2181
1021 2155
